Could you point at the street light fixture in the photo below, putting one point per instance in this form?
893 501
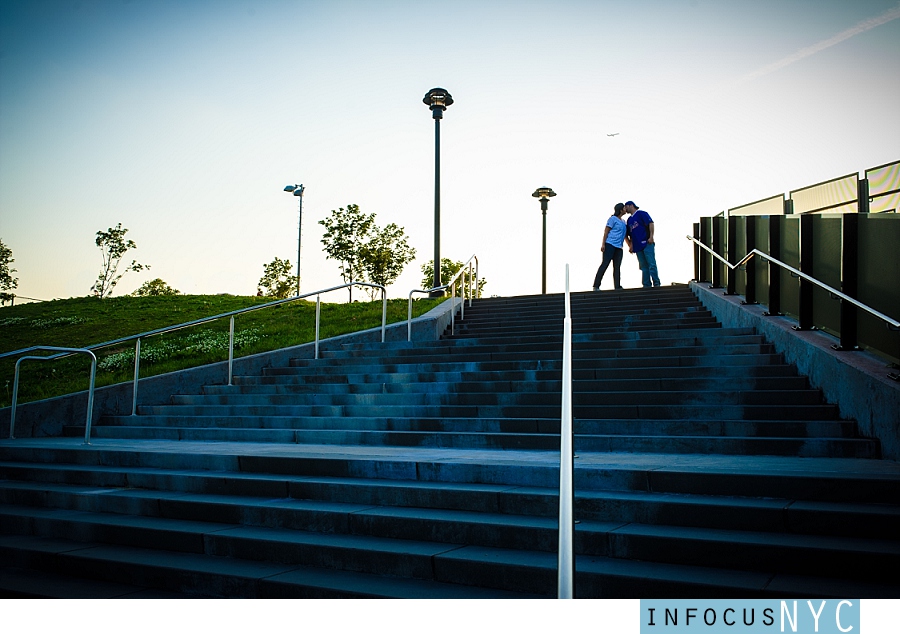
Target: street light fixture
545 194
298 192
437 100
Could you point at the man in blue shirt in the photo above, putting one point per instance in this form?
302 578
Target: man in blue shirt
640 230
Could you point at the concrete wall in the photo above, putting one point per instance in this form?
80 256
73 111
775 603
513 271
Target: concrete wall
48 417
856 381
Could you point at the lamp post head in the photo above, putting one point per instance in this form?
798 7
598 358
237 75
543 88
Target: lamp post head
545 194
297 189
437 99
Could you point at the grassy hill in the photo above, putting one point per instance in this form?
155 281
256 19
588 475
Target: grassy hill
84 321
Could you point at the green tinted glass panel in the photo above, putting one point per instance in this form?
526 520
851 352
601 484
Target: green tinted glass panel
827 269
790 255
879 281
762 268
739 251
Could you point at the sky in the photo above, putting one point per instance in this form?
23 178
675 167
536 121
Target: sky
185 120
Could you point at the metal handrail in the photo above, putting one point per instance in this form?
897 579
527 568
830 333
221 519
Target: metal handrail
409 307
69 351
452 286
566 565
768 258
232 314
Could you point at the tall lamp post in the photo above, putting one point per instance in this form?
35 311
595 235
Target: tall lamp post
437 99
298 192
545 194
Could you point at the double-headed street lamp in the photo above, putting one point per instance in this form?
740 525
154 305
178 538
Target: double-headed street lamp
298 192
545 194
437 99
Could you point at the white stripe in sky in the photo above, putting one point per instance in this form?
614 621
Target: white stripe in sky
862 27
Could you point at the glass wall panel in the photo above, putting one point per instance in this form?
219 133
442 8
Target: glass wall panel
827 269
773 206
879 282
762 268
888 203
705 257
884 179
740 250
790 255
825 195
850 208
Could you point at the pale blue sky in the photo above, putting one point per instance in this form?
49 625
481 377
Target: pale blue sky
184 121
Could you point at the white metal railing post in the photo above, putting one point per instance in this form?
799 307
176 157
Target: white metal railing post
318 312
409 317
462 294
453 308
230 349
90 405
470 283
477 289
12 413
566 570
383 312
137 373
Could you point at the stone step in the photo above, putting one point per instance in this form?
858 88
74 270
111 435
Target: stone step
30 583
519 504
477 346
732 445
215 576
371 543
649 356
749 363
527 374
595 576
634 302
599 318
580 398
835 480
773 410
511 326
626 427
587 337
517 383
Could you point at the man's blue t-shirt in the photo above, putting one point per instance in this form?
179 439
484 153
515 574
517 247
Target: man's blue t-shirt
637 227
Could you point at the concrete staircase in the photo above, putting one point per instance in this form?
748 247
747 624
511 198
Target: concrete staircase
706 467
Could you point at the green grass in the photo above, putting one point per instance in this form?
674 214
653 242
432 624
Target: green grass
84 321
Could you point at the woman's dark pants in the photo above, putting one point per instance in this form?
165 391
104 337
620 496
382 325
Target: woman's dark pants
614 255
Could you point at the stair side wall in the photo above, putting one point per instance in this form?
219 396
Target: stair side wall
856 381
47 417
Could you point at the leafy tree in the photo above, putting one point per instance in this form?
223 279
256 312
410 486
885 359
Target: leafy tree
155 288
383 257
277 281
346 231
449 268
113 246
7 281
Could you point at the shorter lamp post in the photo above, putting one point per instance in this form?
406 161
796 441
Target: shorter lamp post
298 192
545 194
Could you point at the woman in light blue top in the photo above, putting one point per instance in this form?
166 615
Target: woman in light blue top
613 238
